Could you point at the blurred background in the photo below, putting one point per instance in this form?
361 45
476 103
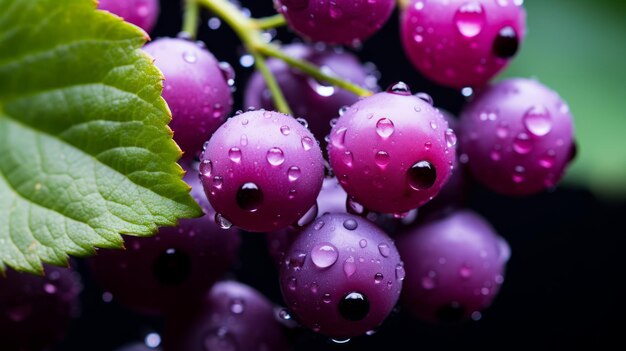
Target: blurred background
564 280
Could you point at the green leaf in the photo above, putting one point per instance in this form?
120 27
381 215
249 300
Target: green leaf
577 47
85 150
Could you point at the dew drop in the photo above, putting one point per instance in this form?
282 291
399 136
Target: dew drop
506 43
275 156
307 143
450 138
354 306
547 160
285 130
350 224
426 97
326 298
363 243
292 283
378 278
537 120
324 255
349 266
319 225
234 154
384 128
522 144
249 197
399 88
470 19
382 159
296 261
347 158
222 222
206 168
384 250
428 145
237 306
243 140
190 57
422 175
400 272
339 137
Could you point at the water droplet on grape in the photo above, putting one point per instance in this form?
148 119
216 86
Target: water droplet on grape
547 160
384 250
384 128
249 197
324 255
206 168
400 272
422 175
506 43
378 277
285 130
234 154
307 143
522 144
537 120
190 57
338 138
450 138
275 156
349 266
354 306
382 159
399 88
292 283
425 97
470 19
347 158
350 224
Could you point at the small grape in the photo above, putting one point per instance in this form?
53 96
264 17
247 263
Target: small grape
36 311
392 152
338 21
317 102
142 13
171 270
454 267
257 176
342 276
232 316
461 43
196 89
517 137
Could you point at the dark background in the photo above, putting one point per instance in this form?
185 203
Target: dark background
564 283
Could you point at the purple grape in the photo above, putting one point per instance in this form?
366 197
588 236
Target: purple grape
342 276
517 137
142 13
454 267
196 88
37 311
172 269
315 101
392 152
233 316
336 22
261 171
461 43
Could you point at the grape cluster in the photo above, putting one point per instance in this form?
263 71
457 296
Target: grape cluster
338 186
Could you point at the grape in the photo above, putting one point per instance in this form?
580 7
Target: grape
454 267
342 276
336 22
37 311
392 152
232 316
172 269
315 101
461 43
196 89
262 171
142 13
517 136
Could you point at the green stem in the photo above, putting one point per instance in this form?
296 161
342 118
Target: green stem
250 36
313 71
191 16
270 22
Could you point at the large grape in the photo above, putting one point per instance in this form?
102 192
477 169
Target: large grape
392 152
232 316
454 267
309 98
36 311
338 21
517 137
262 171
460 43
142 13
342 276
172 269
196 88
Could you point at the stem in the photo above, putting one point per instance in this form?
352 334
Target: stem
313 71
246 30
190 18
270 22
